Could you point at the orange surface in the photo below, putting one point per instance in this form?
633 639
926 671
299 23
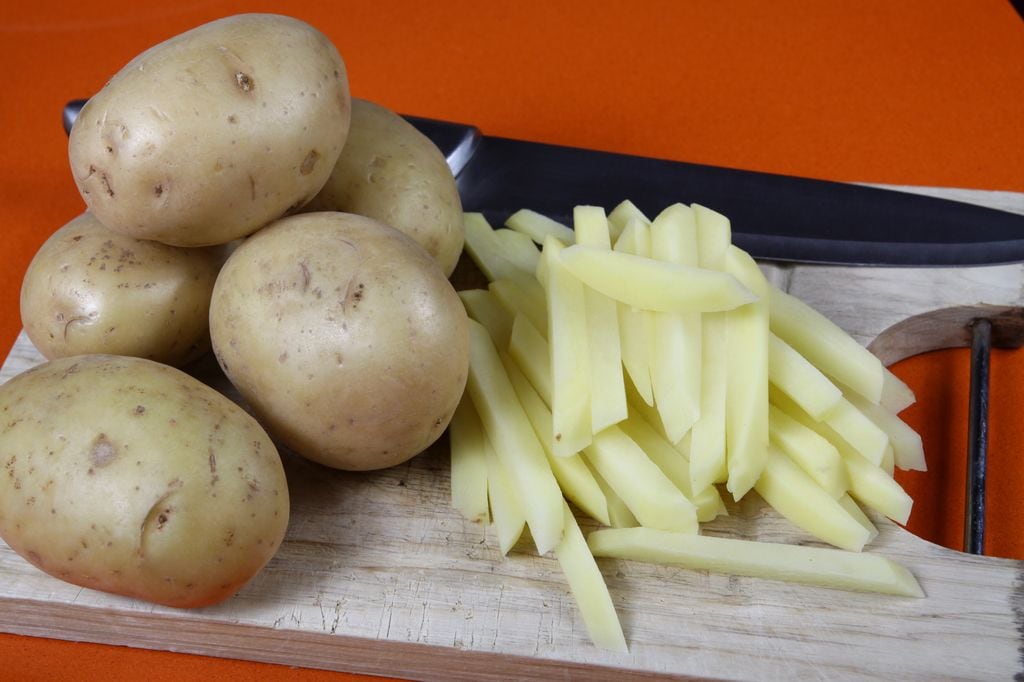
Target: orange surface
915 92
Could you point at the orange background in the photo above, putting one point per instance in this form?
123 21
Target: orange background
910 92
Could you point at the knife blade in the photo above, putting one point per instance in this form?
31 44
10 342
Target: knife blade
774 217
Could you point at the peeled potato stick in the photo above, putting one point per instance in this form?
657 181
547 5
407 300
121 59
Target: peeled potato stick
485 250
648 493
787 405
851 506
619 515
655 285
573 476
522 295
636 326
518 248
888 464
896 395
707 437
588 587
570 356
538 227
795 376
810 451
513 438
530 351
746 393
469 464
506 510
676 346
795 495
674 465
607 391
874 488
622 214
714 236
821 566
908 450
826 345
483 307
858 430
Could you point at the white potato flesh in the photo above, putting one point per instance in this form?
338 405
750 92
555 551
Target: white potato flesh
821 566
636 326
619 515
483 306
485 250
855 428
874 488
795 495
746 416
851 506
908 449
510 432
607 384
655 285
518 248
787 405
707 437
539 227
896 395
468 463
795 376
714 236
508 519
588 587
810 451
826 345
530 351
648 493
569 353
523 295
622 214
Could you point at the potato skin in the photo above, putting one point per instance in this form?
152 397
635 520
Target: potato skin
92 290
391 172
214 133
124 475
344 336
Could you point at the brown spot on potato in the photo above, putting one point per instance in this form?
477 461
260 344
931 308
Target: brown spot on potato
244 82
252 187
158 190
108 188
309 163
103 452
139 410
232 118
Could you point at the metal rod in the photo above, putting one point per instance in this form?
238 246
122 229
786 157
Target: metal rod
977 437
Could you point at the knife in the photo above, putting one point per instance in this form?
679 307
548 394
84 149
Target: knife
774 217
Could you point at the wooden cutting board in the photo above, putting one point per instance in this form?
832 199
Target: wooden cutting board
379 575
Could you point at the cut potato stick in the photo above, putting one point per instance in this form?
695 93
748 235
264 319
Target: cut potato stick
908 450
855 428
746 393
483 307
539 227
795 495
523 295
676 346
569 352
588 587
851 506
486 252
655 285
518 249
510 432
820 566
888 464
874 488
506 510
795 376
607 387
787 405
622 214
469 463
896 395
649 494
619 515
714 236
573 476
636 326
809 450
707 437
530 351
826 345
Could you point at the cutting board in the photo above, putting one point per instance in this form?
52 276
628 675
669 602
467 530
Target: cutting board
379 575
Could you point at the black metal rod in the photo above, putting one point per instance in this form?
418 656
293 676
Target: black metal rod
977 437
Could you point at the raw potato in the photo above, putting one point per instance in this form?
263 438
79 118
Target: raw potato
131 477
92 290
214 133
344 336
391 172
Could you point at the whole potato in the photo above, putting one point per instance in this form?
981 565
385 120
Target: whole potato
391 172
124 475
92 290
344 336
214 133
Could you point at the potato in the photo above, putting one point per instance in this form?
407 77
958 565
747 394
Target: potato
214 133
91 290
124 475
391 172
344 336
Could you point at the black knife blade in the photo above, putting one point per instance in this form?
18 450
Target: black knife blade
774 217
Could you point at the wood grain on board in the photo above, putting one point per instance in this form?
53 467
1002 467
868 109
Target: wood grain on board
379 575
